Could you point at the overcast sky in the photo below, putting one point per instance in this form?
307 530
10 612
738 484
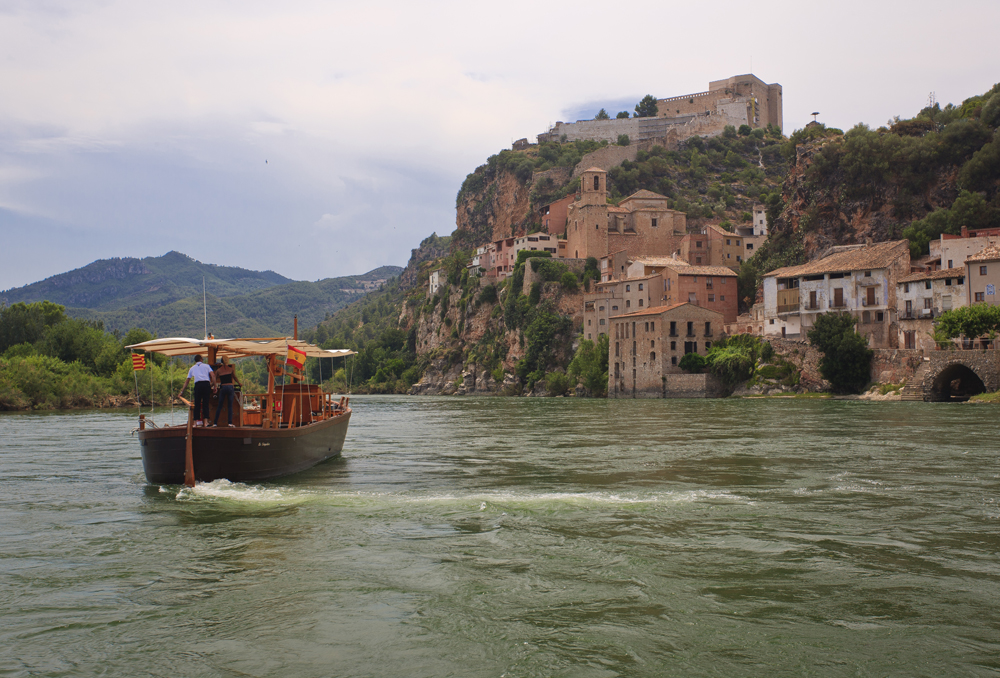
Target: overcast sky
320 139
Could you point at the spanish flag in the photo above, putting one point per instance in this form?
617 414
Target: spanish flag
138 362
295 357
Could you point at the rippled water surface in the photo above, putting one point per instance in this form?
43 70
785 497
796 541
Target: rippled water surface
518 537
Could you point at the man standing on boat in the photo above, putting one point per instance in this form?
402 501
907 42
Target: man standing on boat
204 382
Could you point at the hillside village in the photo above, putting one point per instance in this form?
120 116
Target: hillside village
664 288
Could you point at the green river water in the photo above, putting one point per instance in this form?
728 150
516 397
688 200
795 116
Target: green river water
518 537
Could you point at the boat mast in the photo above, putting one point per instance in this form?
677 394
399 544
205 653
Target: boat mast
204 304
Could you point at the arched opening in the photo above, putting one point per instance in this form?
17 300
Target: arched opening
956 383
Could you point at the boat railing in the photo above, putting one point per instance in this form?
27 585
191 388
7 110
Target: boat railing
300 411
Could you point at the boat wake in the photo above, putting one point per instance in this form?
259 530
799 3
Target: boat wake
238 492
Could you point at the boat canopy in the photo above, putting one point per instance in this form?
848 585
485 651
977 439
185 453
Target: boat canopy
236 348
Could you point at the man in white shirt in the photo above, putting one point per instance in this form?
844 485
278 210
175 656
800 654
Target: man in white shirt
204 383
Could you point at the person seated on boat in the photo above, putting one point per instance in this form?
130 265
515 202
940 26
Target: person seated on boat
204 381
225 375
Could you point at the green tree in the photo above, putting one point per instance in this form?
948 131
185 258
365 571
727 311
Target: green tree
602 115
623 140
590 365
646 108
23 323
847 360
971 322
622 114
692 362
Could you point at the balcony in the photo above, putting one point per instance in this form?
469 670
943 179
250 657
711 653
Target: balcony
838 304
788 308
866 303
811 307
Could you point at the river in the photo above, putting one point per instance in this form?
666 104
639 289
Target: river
518 537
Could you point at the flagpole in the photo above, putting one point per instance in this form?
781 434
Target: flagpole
204 303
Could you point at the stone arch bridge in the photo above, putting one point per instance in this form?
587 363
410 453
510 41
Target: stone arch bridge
955 375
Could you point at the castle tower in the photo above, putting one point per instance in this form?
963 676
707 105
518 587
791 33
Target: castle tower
587 228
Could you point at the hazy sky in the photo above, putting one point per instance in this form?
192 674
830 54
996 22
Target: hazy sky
221 129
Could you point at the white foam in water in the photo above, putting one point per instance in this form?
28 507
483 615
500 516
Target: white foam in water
223 489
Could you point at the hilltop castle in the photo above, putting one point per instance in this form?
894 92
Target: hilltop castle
739 100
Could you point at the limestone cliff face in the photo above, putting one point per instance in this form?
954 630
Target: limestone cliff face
828 210
465 345
500 208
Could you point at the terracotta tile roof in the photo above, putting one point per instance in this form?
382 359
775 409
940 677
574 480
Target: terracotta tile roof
719 271
652 310
990 253
866 257
643 194
659 261
595 169
933 275
656 310
622 210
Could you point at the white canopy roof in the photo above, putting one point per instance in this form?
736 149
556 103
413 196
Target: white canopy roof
235 348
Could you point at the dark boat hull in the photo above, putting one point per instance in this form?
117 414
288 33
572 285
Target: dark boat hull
246 454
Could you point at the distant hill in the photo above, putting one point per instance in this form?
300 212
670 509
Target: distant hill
164 296
108 284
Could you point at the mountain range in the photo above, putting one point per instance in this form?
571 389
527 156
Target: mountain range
164 295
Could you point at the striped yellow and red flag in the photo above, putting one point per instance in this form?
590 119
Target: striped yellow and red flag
138 361
295 357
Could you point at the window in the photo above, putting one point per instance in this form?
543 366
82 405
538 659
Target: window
628 288
588 322
708 329
690 328
692 298
647 327
906 287
950 264
961 280
728 255
927 284
708 345
728 241
597 183
652 343
947 282
749 245
866 317
982 270
640 287
600 308
697 260
652 356
711 297
868 274
673 360
928 302
772 321
879 316
614 308
640 302
722 297
980 296
616 349
628 303
602 321
697 243
673 345
654 222
652 327
673 329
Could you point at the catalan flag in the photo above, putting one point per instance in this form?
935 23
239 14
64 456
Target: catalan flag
138 361
295 357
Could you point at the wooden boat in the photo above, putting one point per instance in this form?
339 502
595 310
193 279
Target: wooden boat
290 428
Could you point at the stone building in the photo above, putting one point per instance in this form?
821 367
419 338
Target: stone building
739 100
645 349
856 279
982 276
641 224
712 287
921 297
715 246
436 279
952 250
552 217
618 297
